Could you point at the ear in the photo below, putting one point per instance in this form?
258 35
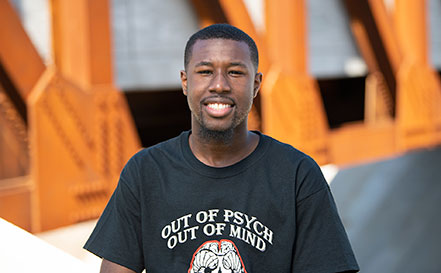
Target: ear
184 82
257 84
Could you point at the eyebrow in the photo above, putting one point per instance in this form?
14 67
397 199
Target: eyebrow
205 63
238 64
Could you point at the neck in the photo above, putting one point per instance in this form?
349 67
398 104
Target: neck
221 149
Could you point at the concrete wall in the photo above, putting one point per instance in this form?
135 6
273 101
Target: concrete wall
149 38
434 23
332 50
149 41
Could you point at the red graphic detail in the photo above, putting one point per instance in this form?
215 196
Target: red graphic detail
217 257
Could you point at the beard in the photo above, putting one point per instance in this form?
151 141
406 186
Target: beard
220 135
224 136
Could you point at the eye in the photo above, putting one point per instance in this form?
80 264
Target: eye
205 72
236 73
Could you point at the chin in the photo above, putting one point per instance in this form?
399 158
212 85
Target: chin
216 134
218 125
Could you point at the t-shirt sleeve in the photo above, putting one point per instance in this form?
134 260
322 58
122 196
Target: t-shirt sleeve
117 235
321 244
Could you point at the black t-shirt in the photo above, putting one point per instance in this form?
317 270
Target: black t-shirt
271 212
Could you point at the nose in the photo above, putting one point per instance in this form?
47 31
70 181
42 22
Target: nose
220 84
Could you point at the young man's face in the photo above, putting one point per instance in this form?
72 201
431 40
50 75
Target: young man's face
220 83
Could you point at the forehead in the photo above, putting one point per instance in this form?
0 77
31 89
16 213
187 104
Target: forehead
212 50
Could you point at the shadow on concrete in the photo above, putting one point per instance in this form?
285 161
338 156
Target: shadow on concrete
392 212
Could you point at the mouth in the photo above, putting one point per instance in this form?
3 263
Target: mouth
217 108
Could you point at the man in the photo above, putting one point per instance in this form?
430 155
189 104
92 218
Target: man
220 198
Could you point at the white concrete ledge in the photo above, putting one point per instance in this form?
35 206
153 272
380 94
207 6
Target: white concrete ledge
22 252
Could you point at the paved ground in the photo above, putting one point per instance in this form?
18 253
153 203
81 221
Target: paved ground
391 210
71 240
22 252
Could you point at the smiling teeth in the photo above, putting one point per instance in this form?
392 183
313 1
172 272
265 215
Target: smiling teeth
218 106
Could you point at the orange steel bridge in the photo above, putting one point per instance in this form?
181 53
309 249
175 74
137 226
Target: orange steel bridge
67 131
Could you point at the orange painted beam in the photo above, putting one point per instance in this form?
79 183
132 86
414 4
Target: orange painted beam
419 85
359 142
16 201
80 141
286 34
209 12
82 40
292 108
81 131
20 63
20 69
18 56
395 50
14 146
375 35
387 31
100 36
410 19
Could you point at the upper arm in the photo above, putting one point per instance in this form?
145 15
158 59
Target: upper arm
111 267
118 234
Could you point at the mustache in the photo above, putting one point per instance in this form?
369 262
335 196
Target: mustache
220 98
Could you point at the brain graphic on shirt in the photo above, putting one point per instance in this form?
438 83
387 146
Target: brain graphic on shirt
217 257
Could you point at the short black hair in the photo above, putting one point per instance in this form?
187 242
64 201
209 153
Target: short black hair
222 31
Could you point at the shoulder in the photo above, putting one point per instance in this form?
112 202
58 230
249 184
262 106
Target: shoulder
295 165
287 156
150 160
170 148
284 148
